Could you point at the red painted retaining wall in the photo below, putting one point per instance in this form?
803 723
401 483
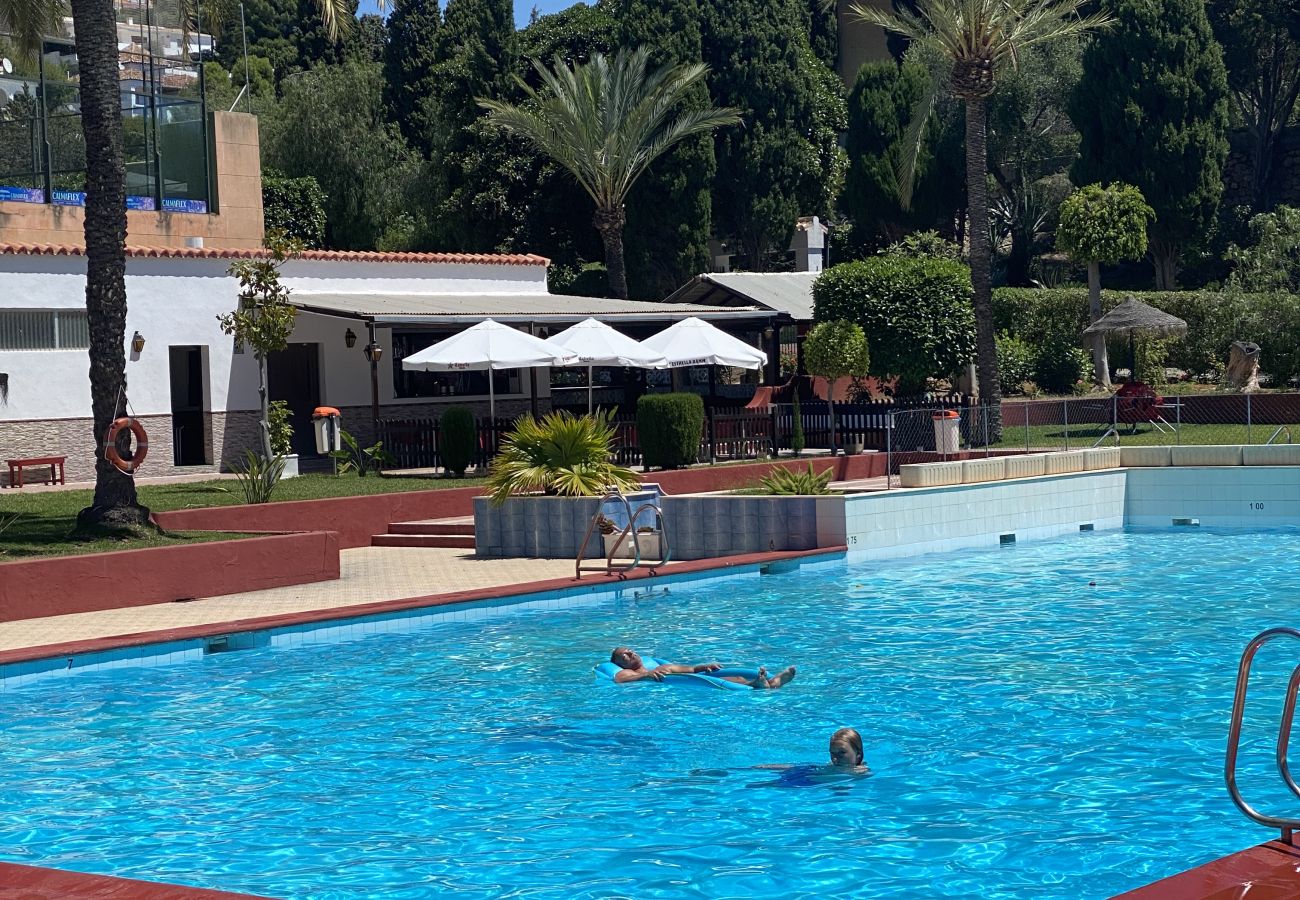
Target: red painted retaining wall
59 585
31 883
357 519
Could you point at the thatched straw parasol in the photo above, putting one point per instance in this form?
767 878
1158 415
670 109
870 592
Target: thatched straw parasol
1134 317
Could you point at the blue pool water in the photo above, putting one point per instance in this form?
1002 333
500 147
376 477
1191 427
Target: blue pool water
1030 736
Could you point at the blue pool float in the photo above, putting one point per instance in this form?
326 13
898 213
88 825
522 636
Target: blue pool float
607 670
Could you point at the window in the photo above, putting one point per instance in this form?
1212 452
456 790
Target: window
43 329
443 384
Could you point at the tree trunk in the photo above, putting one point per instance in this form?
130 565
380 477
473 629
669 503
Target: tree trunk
1100 362
264 424
114 507
1164 257
610 222
977 203
830 405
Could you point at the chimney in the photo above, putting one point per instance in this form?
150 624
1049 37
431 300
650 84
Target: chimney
809 244
721 256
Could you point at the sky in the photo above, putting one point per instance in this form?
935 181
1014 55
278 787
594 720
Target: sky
522 8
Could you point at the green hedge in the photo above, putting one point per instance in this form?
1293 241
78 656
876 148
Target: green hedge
669 427
1214 321
459 435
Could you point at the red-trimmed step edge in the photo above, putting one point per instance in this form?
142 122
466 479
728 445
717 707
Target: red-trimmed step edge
32 883
58 585
1268 872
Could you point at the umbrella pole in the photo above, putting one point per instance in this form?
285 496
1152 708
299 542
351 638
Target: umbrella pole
588 390
1132 358
492 398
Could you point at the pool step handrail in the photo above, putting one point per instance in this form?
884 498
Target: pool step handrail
610 494
1280 429
1288 826
665 552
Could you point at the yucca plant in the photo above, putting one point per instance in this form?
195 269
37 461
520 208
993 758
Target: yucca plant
791 482
258 475
560 454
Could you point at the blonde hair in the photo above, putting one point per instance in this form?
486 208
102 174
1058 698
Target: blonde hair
851 737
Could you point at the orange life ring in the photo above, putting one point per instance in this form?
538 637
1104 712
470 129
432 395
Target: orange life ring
141 444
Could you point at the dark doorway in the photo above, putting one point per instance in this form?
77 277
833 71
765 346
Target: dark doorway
187 377
293 375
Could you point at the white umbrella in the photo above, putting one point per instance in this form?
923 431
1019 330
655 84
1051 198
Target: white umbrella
694 342
596 344
488 345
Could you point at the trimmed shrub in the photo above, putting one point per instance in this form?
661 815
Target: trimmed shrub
1016 363
797 442
669 427
458 435
277 416
916 314
1061 366
295 207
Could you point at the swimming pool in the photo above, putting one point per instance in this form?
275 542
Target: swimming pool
1030 736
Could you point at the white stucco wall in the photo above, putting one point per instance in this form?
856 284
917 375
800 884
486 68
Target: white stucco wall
175 302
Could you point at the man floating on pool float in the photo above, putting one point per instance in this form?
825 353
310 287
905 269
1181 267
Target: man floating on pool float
631 668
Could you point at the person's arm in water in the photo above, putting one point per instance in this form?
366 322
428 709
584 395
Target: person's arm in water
658 672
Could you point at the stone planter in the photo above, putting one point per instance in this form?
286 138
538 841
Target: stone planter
649 540
290 466
707 526
547 527
853 448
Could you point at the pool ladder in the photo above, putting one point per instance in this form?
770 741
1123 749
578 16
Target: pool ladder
628 531
1286 825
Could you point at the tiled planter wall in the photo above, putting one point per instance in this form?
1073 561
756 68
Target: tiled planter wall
703 527
546 527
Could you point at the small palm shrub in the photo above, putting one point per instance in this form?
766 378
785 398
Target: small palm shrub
459 438
669 427
362 460
792 482
258 475
560 454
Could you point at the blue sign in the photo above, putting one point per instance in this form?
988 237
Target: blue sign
21 195
175 204
68 198
144 204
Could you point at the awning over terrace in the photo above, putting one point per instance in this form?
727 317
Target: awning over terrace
788 293
469 309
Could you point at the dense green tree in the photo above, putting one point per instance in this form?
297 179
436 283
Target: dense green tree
294 209
770 171
1262 56
1271 261
884 96
574 33
331 125
290 34
1032 144
1103 225
605 121
368 42
409 62
976 40
1152 110
670 211
824 31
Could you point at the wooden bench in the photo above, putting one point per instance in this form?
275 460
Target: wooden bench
55 463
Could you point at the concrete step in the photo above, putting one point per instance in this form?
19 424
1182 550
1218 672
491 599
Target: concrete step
464 542
432 527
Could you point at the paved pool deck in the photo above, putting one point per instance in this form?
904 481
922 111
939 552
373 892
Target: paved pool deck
368 575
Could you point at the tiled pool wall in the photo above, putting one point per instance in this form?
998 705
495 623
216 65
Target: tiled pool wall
1229 496
19 674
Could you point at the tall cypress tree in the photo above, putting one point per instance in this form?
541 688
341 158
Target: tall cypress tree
483 178
770 171
670 211
409 62
1152 111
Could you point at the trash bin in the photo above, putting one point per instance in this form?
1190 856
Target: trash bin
329 433
947 431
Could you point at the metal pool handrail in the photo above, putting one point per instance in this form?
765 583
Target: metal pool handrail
1286 825
1280 429
613 494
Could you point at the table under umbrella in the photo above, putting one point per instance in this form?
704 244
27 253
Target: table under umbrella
490 346
596 344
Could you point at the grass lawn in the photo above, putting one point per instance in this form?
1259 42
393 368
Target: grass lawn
45 518
1087 434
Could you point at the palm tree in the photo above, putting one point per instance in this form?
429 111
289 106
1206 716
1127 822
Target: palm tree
115 507
974 39
605 122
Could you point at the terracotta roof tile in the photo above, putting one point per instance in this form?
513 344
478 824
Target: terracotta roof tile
498 259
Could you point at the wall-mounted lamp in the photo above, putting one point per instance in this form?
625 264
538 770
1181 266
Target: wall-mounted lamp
137 343
768 332
374 352
350 338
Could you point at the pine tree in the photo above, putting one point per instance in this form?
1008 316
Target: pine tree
770 172
1152 111
409 62
670 211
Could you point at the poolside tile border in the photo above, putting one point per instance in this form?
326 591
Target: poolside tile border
126 648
